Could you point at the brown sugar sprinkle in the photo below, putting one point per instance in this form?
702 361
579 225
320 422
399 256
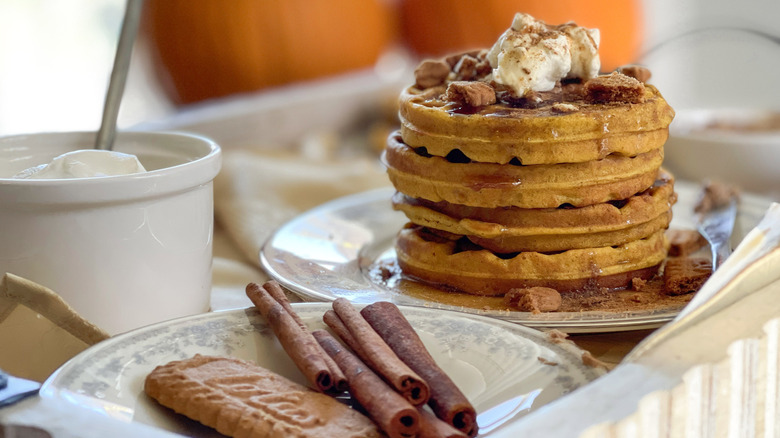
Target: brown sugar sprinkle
614 88
431 73
684 242
684 275
474 94
596 298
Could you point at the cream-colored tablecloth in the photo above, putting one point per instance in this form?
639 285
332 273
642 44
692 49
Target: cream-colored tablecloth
257 192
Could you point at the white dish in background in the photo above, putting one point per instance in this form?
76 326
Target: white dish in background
329 253
504 369
278 117
698 150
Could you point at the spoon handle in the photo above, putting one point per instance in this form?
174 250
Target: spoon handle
116 86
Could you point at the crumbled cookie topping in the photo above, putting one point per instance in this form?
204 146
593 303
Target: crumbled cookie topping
684 275
474 94
638 284
547 361
684 242
466 68
470 68
638 72
454 58
431 73
589 360
556 336
534 299
715 195
474 85
615 87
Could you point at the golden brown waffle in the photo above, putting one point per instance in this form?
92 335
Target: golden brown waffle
511 229
500 133
562 242
466 267
491 185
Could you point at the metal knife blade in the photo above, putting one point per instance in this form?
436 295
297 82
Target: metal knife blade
15 389
716 225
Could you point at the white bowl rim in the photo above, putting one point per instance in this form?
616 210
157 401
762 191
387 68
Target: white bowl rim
202 169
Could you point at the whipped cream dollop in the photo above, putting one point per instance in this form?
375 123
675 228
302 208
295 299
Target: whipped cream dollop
86 163
532 56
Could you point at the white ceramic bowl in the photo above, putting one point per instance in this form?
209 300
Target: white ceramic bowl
123 251
747 158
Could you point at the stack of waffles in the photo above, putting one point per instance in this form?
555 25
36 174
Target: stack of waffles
561 188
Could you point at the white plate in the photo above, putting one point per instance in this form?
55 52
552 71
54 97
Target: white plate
332 250
504 369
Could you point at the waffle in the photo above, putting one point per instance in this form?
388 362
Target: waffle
511 229
491 185
456 264
501 133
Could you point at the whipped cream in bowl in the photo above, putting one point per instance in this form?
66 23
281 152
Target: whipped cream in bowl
85 163
123 237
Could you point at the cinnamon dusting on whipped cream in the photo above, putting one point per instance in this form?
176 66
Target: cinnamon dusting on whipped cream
533 56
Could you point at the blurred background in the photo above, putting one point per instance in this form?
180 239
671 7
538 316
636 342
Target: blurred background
56 55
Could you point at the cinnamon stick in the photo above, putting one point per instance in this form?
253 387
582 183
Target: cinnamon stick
299 344
389 410
335 323
275 290
380 357
432 427
446 401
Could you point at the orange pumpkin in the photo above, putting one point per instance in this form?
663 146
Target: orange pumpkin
437 27
210 48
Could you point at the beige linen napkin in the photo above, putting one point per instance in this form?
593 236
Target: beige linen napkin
39 331
259 190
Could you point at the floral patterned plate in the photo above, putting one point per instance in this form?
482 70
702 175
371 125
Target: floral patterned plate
505 369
